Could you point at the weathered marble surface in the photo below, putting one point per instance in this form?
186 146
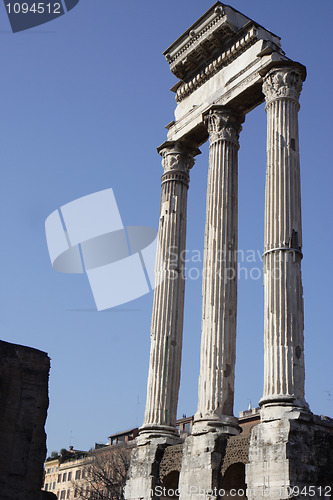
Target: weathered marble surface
295 451
219 283
283 335
167 316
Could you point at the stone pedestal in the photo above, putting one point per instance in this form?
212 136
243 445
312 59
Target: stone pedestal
290 455
201 466
143 474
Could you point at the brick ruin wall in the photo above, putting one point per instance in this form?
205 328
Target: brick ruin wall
313 445
237 450
24 374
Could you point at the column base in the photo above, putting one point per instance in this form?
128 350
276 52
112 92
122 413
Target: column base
287 456
166 433
222 424
278 407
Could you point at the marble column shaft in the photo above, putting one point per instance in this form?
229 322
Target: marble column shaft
283 337
219 288
168 306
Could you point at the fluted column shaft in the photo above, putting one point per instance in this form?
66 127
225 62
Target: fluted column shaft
168 306
283 337
219 288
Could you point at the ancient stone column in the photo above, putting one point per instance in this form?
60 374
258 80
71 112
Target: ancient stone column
168 307
219 288
284 342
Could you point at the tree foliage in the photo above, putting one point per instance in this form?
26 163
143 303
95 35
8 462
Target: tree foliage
104 474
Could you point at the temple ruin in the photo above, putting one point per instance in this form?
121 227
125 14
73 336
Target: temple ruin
227 64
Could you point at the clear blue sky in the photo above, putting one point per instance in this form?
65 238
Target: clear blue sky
85 99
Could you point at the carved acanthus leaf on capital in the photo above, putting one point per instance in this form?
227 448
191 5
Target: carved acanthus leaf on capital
282 83
223 125
176 161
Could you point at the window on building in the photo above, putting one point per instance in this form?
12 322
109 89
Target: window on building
52 470
64 477
78 474
46 487
48 470
75 493
187 427
69 476
59 478
54 485
68 493
63 495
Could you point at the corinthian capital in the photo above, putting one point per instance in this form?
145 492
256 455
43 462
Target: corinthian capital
177 158
223 124
282 83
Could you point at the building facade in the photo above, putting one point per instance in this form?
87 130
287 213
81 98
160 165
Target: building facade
70 478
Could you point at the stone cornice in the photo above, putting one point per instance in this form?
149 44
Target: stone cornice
207 38
248 39
179 60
